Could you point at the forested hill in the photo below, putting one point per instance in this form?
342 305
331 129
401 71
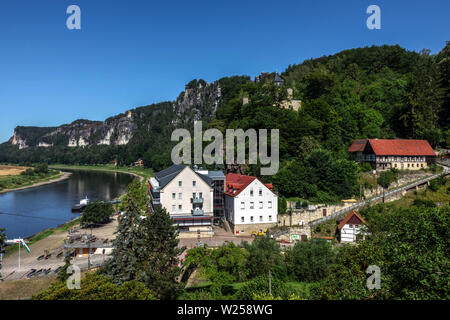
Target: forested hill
372 92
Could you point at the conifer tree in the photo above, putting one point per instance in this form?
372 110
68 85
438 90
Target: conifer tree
160 268
129 248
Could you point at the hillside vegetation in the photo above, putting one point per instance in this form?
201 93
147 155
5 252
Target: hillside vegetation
372 92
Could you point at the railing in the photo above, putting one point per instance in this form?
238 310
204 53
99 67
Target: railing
197 200
387 194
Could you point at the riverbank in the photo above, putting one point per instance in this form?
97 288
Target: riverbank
60 176
143 173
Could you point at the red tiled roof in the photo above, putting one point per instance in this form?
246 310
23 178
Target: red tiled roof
394 147
348 217
235 183
398 147
357 145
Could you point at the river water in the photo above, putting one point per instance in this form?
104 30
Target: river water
29 211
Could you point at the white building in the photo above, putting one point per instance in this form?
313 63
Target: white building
250 205
187 196
350 227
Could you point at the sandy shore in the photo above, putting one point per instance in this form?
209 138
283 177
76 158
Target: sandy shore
65 175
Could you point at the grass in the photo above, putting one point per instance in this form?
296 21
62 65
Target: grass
19 180
24 288
441 195
142 172
43 234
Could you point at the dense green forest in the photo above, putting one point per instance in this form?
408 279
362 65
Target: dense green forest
371 92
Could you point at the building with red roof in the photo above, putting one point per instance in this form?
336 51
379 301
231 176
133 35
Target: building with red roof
251 206
384 154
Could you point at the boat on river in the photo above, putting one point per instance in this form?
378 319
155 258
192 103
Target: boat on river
80 207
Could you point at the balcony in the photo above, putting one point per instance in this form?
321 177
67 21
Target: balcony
197 212
197 200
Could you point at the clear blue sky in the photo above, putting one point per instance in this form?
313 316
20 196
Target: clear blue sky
130 53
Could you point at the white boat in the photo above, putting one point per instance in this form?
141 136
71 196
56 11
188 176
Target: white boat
83 203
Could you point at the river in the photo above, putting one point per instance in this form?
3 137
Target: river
29 211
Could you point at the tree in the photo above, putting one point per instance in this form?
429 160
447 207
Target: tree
97 287
264 256
136 198
160 268
97 212
129 247
411 247
309 260
385 179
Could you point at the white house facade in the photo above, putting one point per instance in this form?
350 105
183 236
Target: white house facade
350 227
250 205
186 195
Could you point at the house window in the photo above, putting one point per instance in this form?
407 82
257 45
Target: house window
350 226
194 183
194 195
180 207
270 204
174 207
173 195
260 204
180 183
260 218
242 219
251 192
242 205
252 205
180 195
270 218
251 219
421 165
200 195
260 192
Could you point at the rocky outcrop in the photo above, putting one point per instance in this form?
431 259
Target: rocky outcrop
199 101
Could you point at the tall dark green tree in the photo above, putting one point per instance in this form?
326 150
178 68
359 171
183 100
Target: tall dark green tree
160 268
129 248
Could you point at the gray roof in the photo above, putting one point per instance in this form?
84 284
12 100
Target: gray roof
216 174
167 175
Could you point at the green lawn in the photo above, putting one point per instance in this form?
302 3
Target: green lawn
142 172
18 181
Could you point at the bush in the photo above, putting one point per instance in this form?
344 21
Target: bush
96 213
97 287
309 260
260 286
424 203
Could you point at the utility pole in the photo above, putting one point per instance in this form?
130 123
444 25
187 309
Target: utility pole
89 254
270 282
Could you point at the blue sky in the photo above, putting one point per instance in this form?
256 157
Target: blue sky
130 53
